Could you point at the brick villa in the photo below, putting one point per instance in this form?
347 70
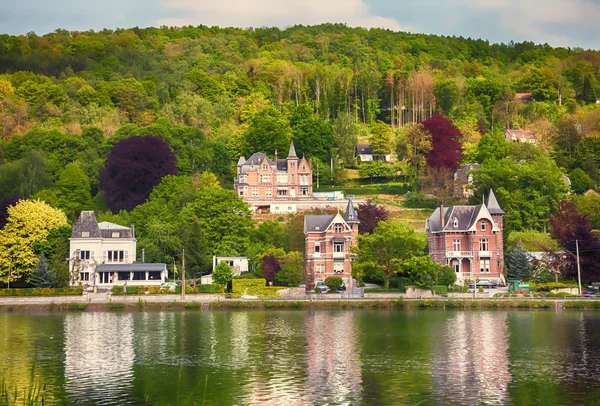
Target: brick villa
328 239
469 239
260 177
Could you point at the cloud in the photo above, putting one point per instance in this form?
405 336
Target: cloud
551 21
280 13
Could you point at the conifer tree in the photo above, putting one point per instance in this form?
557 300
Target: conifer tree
518 264
41 277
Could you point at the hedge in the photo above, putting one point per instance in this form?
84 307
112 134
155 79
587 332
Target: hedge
157 290
253 287
548 286
440 290
42 292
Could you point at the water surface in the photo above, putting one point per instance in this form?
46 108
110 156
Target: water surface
356 357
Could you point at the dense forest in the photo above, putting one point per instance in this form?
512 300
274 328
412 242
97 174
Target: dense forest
191 100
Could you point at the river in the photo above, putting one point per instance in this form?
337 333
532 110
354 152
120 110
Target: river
355 357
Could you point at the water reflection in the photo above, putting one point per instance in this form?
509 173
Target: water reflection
470 359
99 357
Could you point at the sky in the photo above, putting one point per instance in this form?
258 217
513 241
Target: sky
569 23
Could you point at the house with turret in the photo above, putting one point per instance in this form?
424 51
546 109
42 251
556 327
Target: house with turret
469 239
260 177
328 242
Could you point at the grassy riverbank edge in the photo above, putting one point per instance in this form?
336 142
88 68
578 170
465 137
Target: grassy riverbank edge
474 304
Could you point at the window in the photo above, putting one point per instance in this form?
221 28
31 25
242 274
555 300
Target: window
483 225
456 245
303 167
242 179
84 255
85 234
105 277
338 247
338 228
85 276
116 256
154 276
455 222
124 276
484 244
116 234
254 191
320 268
139 276
456 266
269 192
484 266
338 266
266 178
281 192
317 247
265 166
303 191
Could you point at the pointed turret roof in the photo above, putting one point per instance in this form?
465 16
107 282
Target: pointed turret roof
241 161
292 152
492 204
351 217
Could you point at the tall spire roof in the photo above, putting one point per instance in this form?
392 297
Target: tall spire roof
492 204
351 216
292 153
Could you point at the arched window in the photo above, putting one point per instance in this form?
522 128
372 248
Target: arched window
455 222
483 225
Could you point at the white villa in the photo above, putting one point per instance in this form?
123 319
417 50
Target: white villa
105 255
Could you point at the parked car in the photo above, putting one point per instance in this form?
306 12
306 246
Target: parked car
322 287
590 291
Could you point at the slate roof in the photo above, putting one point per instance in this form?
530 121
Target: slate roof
492 204
318 222
135 267
351 216
520 134
292 151
465 215
364 149
462 174
86 223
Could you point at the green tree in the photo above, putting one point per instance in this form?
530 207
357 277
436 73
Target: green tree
540 82
388 247
414 144
381 138
345 137
312 136
292 270
73 190
268 131
41 276
446 94
518 264
222 274
580 181
28 222
492 146
334 283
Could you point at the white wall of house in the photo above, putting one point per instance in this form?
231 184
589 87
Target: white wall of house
238 264
283 208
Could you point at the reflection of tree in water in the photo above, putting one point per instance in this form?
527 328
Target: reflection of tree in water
555 358
470 359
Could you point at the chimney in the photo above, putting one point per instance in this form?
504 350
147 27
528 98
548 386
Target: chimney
442 215
143 255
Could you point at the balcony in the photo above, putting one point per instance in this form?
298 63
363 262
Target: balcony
316 255
459 254
485 254
338 255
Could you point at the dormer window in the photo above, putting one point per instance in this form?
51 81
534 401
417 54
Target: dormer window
317 228
455 223
338 228
85 234
483 225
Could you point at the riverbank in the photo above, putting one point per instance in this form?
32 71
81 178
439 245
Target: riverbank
142 303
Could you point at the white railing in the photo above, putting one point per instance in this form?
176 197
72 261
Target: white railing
461 254
339 255
485 254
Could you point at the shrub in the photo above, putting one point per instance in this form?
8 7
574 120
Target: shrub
42 292
440 290
253 287
334 283
548 286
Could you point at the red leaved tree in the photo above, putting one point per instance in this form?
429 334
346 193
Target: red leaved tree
270 266
135 165
446 141
568 226
370 214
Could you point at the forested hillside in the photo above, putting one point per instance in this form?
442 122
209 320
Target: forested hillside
74 104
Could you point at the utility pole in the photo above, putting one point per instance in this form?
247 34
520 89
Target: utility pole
317 174
183 274
578 266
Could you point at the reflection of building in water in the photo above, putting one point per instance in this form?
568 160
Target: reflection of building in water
333 365
470 359
99 357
